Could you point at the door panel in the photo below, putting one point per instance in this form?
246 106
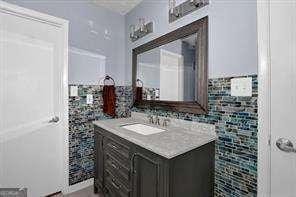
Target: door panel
28 81
33 161
31 94
145 177
171 76
283 95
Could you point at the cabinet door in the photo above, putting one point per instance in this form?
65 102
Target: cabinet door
99 160
145 176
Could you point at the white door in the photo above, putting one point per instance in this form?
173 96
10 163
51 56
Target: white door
171 76
283 97
33 107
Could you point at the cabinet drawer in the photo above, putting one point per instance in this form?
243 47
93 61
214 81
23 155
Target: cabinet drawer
117 149
117 168
114 186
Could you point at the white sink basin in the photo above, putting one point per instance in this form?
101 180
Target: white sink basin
142 129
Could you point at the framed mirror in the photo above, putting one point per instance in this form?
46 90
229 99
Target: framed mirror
171 72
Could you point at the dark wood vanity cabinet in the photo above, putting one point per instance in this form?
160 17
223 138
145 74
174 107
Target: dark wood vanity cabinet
99 160
124 169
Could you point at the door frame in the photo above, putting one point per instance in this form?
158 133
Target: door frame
264 99
63 25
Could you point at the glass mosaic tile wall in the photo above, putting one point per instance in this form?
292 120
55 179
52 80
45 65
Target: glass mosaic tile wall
235 118
81 130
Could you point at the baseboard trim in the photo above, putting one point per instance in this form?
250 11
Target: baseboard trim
79 186
54 194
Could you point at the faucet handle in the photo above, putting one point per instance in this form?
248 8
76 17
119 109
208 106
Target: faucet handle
165 122
150 118
157 121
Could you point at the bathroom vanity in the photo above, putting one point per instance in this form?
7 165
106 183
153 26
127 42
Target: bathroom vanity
174 160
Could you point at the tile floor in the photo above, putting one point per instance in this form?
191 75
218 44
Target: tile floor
86 192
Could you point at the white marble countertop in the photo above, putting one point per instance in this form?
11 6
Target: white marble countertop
179 137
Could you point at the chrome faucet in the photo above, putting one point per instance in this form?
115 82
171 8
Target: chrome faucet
153 119
156 120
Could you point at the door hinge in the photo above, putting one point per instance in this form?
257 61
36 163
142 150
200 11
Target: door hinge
269 140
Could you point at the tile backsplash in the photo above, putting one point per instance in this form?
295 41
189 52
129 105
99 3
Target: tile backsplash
235 120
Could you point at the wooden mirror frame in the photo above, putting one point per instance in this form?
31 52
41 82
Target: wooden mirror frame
200 106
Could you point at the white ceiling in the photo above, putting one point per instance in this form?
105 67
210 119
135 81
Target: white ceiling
119 6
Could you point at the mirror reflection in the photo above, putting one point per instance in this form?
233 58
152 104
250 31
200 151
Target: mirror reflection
169 72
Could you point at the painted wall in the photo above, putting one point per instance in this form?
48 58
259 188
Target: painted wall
232 34
86 67
148 71
92 28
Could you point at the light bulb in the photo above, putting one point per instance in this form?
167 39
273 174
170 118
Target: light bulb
172 5
132 31
142 24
